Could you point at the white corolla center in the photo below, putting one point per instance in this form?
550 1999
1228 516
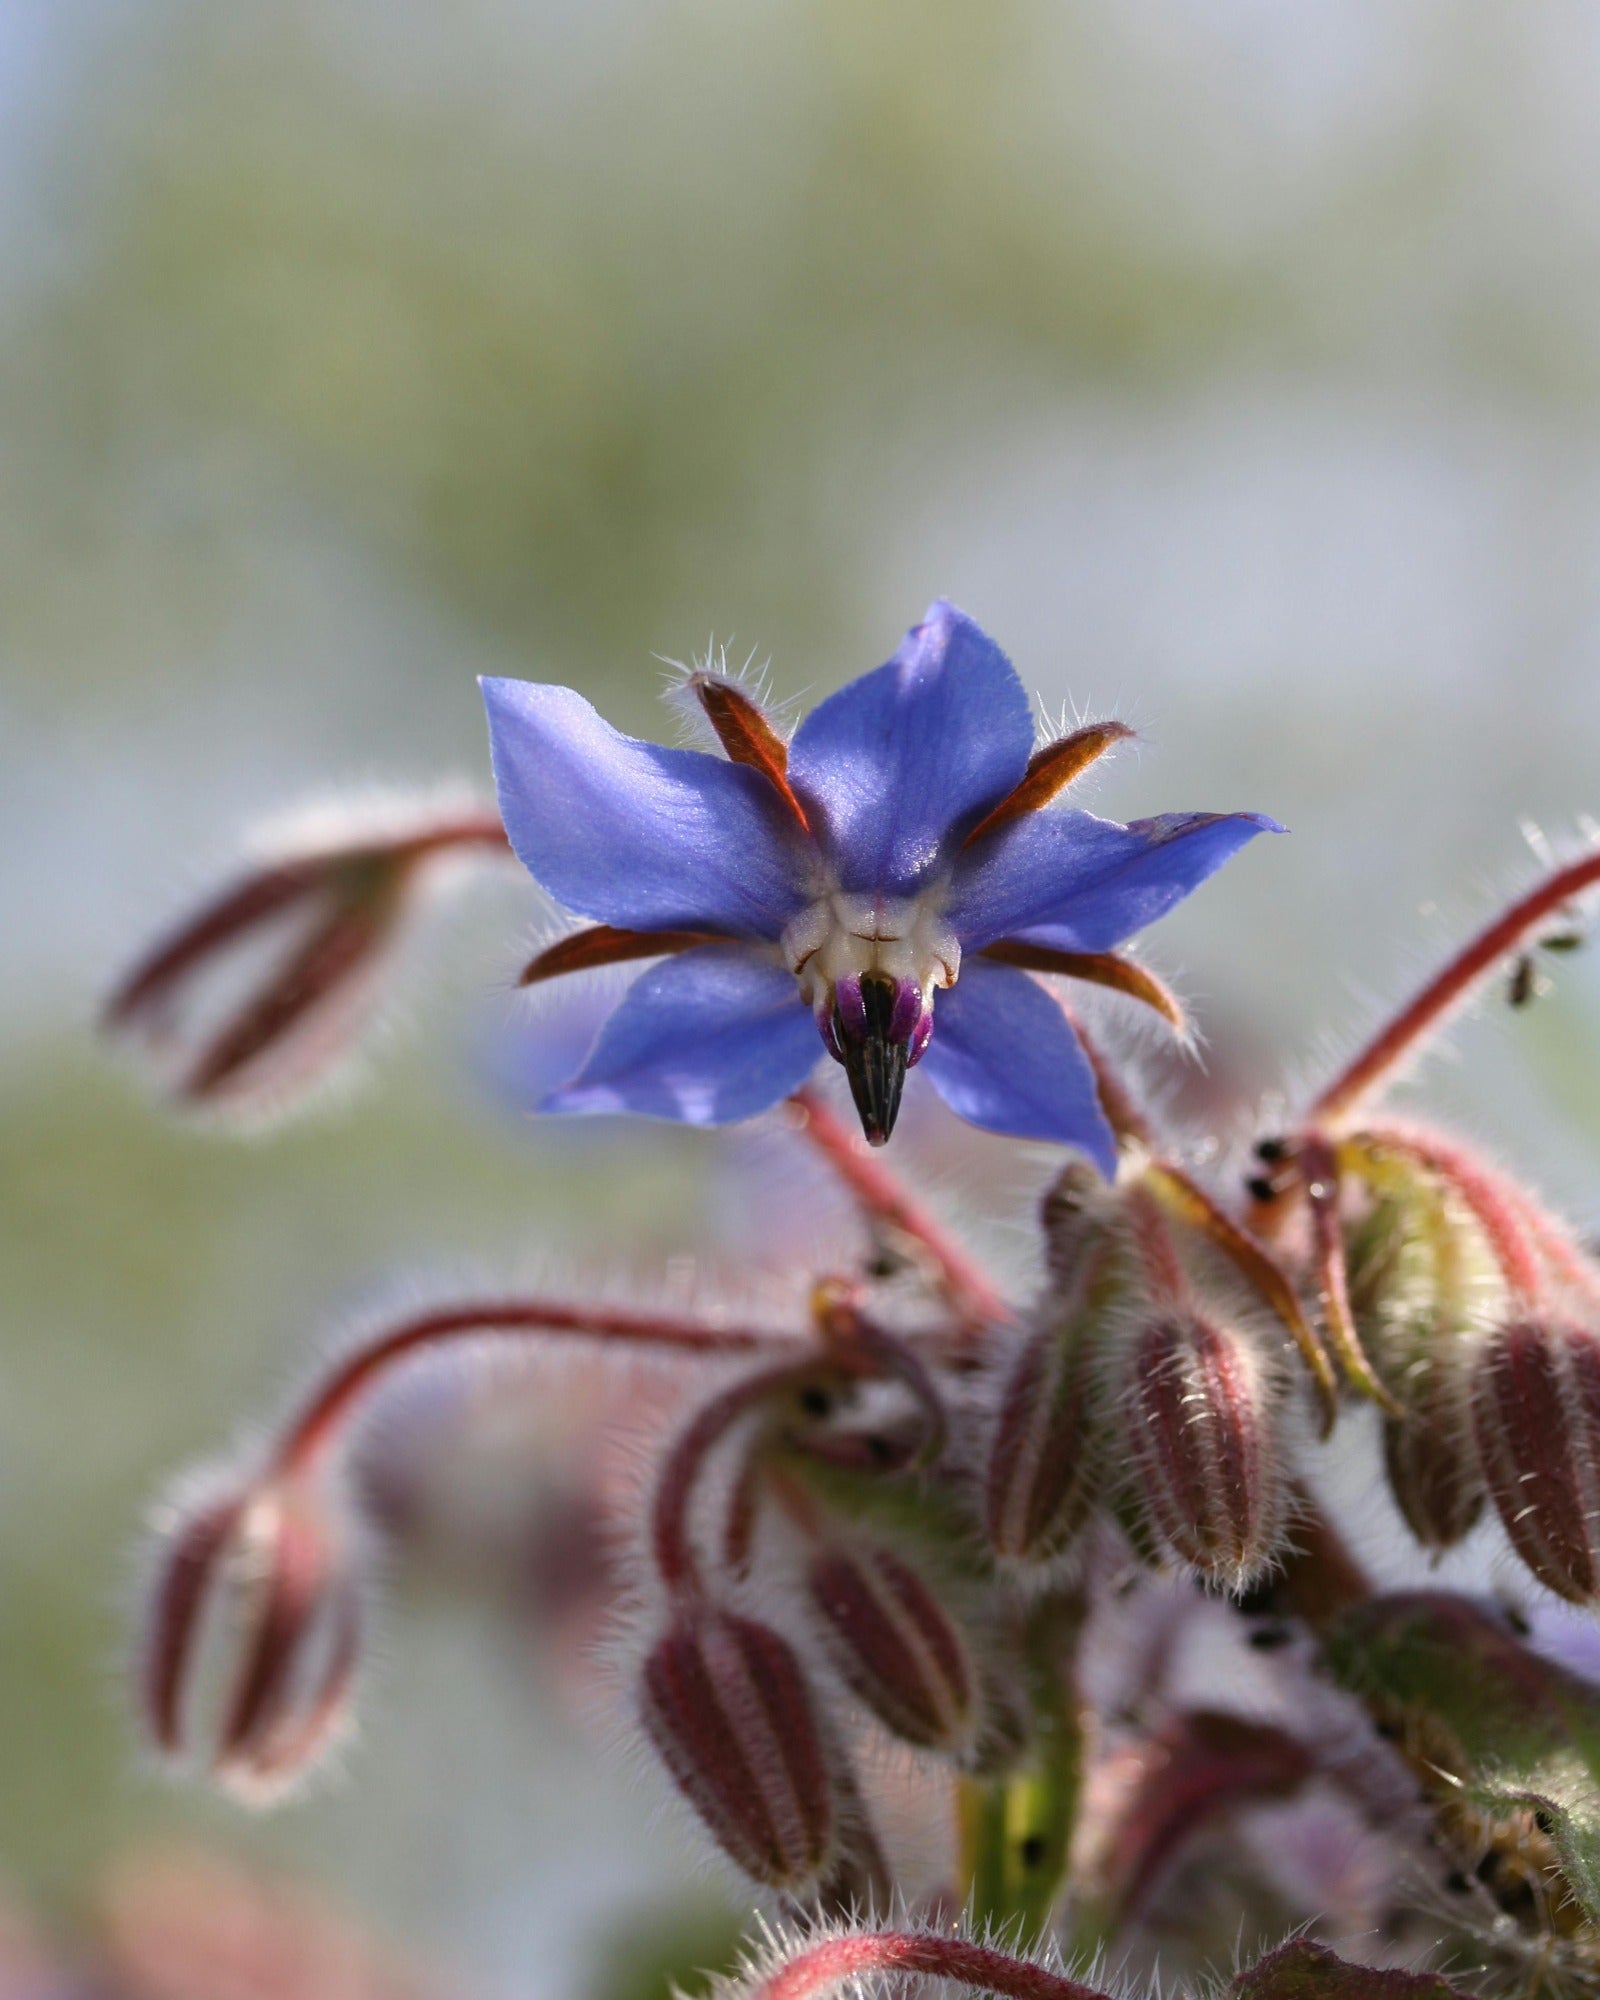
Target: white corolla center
842 936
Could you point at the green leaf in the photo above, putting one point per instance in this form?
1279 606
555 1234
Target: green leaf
1305 1971
1497 1726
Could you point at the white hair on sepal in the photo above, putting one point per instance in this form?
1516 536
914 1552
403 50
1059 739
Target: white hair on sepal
751 676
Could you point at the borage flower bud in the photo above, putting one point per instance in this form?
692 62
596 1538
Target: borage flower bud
726 1704
1045 1463
253 1637
263 990
895 1645
1536 1399
1202 1423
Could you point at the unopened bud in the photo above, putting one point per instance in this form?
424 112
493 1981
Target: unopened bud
1045 1462
1202 1420
895 1645
1536 1399
252 1001
253 1637
726 1704
1072 1218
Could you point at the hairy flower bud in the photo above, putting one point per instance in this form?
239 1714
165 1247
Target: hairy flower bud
253 1637
895 1645
1417 1272
268 986
726 1704
1202 1415
1536 1398
1044 1458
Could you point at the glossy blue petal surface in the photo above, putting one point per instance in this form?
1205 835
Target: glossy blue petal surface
1003 1057
634 834
1068 879
716 1034
897 759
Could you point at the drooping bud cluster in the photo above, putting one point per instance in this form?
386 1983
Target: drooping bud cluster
263 991
253 1635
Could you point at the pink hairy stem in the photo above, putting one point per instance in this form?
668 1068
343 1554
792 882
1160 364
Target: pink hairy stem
1394 1044
879 1192
310 1434
818 1969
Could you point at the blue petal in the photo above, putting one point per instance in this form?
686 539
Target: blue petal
896 760
715 1035
634 834
1079 883
1004 1057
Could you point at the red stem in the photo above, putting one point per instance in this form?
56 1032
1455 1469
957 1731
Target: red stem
885 1201
817 1969
309 1434
1390 1048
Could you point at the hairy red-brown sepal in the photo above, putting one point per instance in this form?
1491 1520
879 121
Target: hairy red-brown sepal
726 1704
1201 1435
895 1644
1050 770
1099 968
1536 1400
602 944
747 736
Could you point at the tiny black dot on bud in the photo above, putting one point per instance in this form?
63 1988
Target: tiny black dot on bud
1260 1188
1389 1731
1032 1850
815 1401
1518 1622
1268 1638
1271 1151
879 1449
1458 1883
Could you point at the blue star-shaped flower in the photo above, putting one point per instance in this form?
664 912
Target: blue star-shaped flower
903 845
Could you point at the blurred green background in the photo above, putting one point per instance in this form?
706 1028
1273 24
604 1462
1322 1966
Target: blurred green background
1237 366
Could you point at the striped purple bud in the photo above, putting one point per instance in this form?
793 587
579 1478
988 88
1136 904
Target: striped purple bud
1202 1416
253 1638
895 1645
1536 1399
1045 1467
726 1704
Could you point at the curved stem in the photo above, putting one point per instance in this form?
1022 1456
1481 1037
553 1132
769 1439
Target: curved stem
310 1433
1396 1042
818 1969
670 1544
887 1203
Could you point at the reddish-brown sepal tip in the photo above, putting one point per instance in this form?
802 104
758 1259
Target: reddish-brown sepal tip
1536 1403
726 1703
895 1645
252 1638
1202 1422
